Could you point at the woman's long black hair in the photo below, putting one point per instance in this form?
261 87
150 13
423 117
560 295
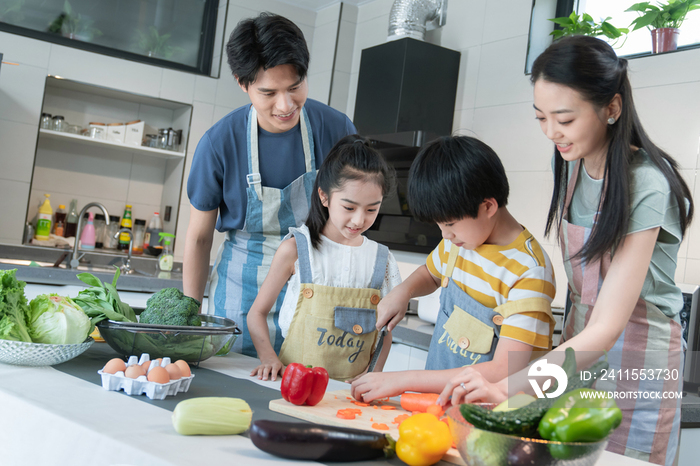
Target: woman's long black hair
352 158
591 67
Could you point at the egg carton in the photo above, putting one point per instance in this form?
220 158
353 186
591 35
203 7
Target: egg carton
141 385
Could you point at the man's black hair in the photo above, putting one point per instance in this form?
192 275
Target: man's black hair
264 42
450 178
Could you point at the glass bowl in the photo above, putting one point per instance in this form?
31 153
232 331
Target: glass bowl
193 344
22 353
479 447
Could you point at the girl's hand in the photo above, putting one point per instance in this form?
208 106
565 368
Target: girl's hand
375 385
391 309
470 386
269 368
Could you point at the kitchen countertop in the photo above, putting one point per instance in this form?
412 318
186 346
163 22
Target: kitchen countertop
62 416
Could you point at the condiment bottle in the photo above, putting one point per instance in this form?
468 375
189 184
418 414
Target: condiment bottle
87 238
138 231
100 226
72 220
59 224
165 261
43 223
151 239
110 242
126 223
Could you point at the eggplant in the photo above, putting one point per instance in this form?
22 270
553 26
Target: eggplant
316 442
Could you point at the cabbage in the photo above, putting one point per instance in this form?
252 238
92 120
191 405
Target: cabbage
57 320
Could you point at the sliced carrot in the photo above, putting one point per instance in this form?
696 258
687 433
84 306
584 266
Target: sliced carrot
359 403
388 407
418 401
436 410
400 418
380 426
348 398
371 419
348 413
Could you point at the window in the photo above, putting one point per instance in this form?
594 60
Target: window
636 43
176 34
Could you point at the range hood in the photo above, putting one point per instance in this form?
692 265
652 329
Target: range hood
406 92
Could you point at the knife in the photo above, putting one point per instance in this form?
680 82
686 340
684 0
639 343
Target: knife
377 350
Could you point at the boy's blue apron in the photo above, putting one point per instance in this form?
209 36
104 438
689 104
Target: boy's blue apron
244 258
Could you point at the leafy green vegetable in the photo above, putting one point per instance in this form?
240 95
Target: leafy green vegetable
57 320
170 307
101 301
13 307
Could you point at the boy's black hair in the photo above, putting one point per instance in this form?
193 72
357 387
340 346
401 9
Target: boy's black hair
351 158
264 42
450 178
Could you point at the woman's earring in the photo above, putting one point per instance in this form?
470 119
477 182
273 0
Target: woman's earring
611 121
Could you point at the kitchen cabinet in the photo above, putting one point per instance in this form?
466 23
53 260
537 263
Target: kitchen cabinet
70 166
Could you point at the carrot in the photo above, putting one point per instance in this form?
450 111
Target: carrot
348 413
359 403
418 401
380 426
436 410
388 408
400 418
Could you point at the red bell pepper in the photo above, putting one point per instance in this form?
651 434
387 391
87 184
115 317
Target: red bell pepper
304 384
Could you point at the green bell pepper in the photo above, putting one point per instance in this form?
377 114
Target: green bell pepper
575 418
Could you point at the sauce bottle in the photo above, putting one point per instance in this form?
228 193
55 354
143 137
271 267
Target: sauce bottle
126 223
151 239
87 238
59 220
165 261
43 223
72 220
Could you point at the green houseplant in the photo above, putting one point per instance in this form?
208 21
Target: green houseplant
587 26
664 20
154 44
74 25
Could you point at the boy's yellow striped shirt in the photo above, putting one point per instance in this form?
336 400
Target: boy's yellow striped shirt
494 275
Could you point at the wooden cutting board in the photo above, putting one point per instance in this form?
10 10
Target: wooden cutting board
325 413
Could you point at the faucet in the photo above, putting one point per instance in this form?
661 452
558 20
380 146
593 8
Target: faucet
126 267
74 261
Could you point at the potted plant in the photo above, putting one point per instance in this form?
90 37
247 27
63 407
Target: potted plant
74 25
11 11
587 26
664 20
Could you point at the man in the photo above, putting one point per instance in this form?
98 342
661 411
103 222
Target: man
253 171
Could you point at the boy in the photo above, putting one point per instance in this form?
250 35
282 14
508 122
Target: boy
497 282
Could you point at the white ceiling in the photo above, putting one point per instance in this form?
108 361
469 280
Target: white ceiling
316 5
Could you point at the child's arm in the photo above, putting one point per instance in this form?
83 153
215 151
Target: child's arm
392 308
375 385
281 269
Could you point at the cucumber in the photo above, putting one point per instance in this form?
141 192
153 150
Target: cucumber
524 421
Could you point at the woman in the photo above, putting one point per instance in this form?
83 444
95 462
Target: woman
620 208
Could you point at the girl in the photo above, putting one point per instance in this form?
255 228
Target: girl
335 276
620 208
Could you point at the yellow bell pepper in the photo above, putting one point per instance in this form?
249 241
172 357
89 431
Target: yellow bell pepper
423 440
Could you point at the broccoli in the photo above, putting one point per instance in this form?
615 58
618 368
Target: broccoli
170 307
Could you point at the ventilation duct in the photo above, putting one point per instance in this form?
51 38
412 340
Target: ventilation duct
411 18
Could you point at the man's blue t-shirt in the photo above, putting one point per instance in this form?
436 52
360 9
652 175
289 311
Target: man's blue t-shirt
220 164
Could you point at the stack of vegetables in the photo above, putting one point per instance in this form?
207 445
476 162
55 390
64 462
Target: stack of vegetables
49 319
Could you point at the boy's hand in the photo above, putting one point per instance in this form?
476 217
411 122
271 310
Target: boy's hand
268 368
375 385
391 309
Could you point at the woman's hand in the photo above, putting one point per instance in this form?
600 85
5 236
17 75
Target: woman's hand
268 368
375 385
470 386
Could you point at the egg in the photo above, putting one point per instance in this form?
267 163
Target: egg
134 371
113 366
173 371
145 366
158 375
158 361
184 367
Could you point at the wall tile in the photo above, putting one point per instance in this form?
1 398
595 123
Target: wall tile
101 70
372 10
345 46
202 120
319 86
671 117
467 84
19 49
18 146
463 122
322 49
205 89
499 26
339 91
13 213
511 130
528 201
146 180
679 277
502 78
329 14
465 24
398 359
693 234
665 68
369 33
692 272
352 94
177 86
298 15
229 93
21 93
350 12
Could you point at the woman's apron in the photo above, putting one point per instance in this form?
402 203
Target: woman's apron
650 341
466 331
243 260
334 327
